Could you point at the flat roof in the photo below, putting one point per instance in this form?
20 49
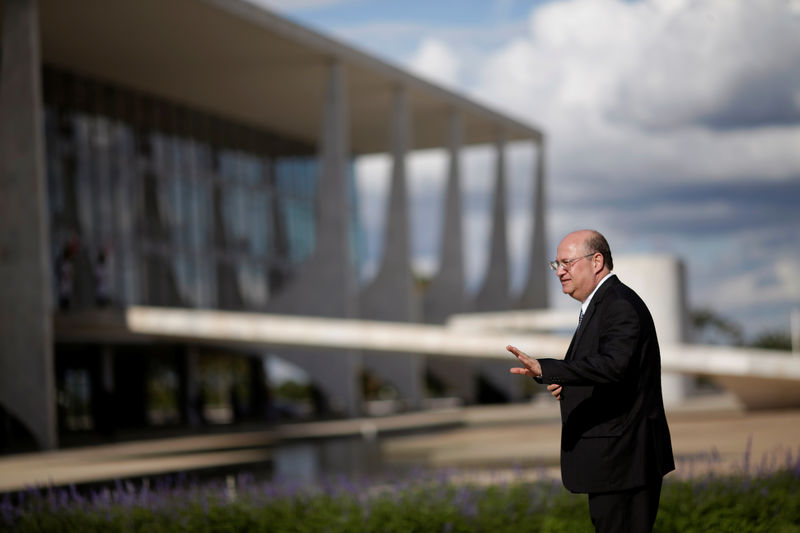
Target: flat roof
242 62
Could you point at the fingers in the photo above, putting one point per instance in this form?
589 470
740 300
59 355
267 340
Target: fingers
521 371
516 351
532 366
522 356
555 390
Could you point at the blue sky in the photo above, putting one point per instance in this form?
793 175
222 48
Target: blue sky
440 12
673 126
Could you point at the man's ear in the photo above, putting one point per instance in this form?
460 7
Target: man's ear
599 262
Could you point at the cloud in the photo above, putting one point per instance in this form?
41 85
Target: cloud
435 61
774 283
656 64
608 80
427 175
788 276
736 63
673 126
372 176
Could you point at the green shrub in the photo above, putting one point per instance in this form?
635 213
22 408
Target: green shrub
738 504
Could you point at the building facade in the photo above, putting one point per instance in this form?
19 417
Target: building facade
200 154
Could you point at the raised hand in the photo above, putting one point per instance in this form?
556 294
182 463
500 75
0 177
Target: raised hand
532 367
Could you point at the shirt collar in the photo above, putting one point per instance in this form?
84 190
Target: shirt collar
585 304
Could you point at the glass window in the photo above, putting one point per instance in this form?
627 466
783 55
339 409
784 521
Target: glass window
187 209
295 187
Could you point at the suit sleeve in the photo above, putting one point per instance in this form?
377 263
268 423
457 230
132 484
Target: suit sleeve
619 334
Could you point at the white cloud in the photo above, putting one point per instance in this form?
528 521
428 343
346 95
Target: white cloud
631 91
372 178
434 60
701 61
652 96
427 175
606 78
772 284
787 275
372 173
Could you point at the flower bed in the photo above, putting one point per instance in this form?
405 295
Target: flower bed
441 502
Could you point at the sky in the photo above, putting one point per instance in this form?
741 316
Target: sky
673 127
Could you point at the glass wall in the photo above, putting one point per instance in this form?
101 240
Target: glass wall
153 203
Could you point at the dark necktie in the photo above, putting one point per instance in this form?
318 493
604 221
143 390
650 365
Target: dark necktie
580 318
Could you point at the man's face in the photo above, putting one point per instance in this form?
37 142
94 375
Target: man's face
578 279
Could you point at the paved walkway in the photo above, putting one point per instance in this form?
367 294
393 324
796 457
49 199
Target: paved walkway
707 433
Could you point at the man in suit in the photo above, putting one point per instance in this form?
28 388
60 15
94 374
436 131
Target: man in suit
615 442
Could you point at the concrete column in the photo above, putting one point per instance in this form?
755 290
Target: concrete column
661 282
534 295
26 351
494 294
391 294
445 295
326 284
335 375
333 251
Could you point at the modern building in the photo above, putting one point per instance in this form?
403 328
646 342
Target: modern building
199 154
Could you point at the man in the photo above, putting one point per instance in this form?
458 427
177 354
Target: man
615 442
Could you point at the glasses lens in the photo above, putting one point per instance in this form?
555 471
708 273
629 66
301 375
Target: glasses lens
553 265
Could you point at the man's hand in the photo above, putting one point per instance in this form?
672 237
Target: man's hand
532 367
555 390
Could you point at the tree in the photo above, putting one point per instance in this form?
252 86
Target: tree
708 326
773 340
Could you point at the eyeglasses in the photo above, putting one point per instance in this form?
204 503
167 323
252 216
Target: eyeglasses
567 263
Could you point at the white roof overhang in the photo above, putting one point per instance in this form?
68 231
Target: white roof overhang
241 62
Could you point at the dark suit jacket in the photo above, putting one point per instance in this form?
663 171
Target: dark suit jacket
614 432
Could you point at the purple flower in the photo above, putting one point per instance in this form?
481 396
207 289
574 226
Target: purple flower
747 452
715 456
7 510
